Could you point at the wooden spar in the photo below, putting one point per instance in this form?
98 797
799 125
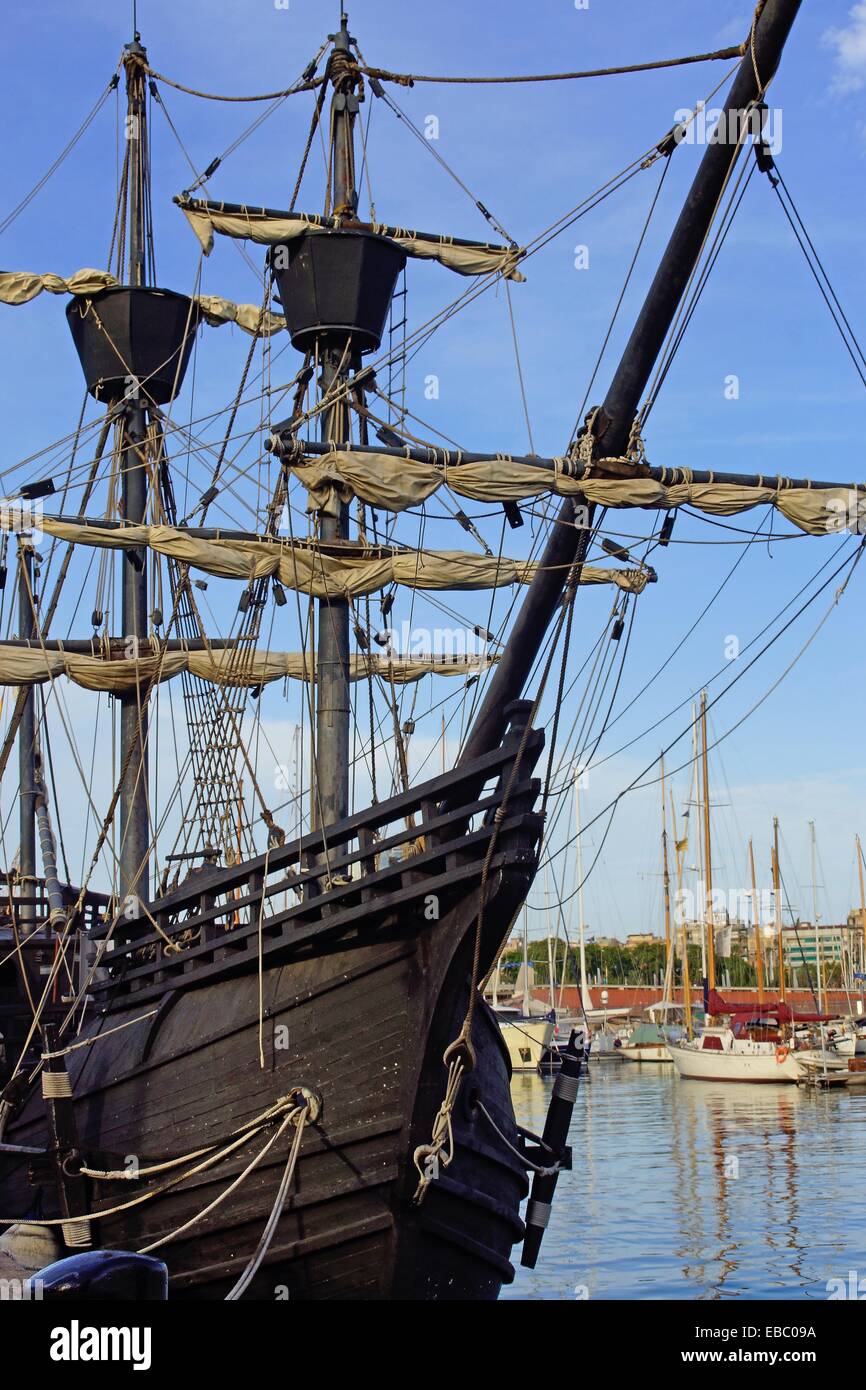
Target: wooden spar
666 878
566 544
134 857
756 922
777 899
96 646
285 446
859 849
26 736
330 800
708 850
183 200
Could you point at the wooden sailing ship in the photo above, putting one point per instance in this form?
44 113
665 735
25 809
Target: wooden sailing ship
279 1073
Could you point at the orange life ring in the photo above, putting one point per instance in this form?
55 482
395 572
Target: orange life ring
782 1054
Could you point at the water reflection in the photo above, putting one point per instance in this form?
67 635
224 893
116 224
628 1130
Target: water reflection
700 1189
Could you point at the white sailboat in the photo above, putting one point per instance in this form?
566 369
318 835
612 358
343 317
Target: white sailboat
717 1054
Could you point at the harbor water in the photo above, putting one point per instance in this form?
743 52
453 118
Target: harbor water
701 1190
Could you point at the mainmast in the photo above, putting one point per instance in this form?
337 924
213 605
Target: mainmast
134 870
613 423
331 800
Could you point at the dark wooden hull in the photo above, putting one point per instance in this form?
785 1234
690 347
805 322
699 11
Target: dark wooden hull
364 1021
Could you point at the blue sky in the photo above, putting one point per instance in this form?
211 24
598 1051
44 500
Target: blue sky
530 153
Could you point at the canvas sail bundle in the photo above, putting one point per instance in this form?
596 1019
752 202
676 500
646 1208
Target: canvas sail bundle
20 286
818 511
394 483
304 567
270 228
33 665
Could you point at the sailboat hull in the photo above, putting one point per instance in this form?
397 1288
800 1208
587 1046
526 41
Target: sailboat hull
766 1067
528 1042
657 1054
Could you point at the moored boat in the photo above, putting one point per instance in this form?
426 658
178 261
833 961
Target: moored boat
717 1054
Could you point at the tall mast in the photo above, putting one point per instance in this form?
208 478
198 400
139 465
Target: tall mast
696 805
756 922
813 847
687 984
134 871
26 737
525 962
666 878
859 849
332 680
549 939
777 899
585 997
567 544
708 852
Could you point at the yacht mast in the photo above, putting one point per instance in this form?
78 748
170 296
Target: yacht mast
708 852
859 850
679 856
666 878
585 997
756 923
813 847
777 899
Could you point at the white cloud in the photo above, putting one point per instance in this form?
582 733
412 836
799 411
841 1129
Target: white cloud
849 45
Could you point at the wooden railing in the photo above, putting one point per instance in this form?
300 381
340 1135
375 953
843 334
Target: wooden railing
433 836
32 907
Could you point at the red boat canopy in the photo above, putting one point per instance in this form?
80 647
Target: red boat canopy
782 1012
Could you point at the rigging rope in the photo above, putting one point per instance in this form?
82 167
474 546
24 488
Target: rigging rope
409 79
305 85
637 782
837 313
37 187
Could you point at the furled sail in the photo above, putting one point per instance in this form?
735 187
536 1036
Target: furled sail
818 510
395 483
20 286
303 566
268 227
34 665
